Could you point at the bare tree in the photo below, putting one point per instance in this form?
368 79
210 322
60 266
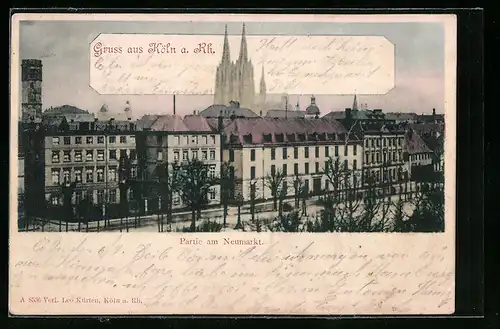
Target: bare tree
334 172
298 185
124 171
351 201
400 220
67 191
253 197
195 183
168 181
227 188
287 223
274 181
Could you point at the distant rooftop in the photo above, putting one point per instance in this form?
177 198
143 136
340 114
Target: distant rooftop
216 110
173 123
64 109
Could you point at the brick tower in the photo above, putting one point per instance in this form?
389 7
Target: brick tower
31 101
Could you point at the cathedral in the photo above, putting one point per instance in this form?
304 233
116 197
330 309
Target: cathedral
234 81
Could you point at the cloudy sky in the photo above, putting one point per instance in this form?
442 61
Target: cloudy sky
64 48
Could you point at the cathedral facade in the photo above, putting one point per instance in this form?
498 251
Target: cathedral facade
234 81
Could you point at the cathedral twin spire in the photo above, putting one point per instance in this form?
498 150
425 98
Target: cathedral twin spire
235 81
226 55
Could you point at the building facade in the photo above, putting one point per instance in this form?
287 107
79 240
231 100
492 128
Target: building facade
84 155
384 154
167 139
257 148
88 154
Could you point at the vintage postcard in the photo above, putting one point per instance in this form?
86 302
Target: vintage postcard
224 164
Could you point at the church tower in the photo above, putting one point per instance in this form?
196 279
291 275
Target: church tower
128 110
262 92
31 77
355 103
224 76
244 81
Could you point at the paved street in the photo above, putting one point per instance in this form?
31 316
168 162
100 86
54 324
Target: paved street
149 223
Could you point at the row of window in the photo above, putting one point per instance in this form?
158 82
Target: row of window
383 141
112 196
90 175
384 175
89 155
195 154
317 169
187 140
90 139
284 152
424 156
378 157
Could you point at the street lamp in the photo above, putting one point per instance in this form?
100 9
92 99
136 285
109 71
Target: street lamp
67 189
239 203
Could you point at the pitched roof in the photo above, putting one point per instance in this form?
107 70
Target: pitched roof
169 122
253 130
401 116
414 143
146 121
214 122
285 114
196 123
428 128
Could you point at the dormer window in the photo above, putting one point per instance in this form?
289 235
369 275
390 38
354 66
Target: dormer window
290 137
279 138
267 138
311 137
302 137
248 139
233 139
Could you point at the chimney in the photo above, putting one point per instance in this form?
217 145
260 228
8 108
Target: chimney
220 124
348 113
433 111
174 103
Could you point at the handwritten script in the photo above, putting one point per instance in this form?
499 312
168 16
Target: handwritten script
188 64
106 274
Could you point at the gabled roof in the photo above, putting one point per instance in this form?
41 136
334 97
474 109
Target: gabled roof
214 122
146 121
197 123
414 143
169 122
